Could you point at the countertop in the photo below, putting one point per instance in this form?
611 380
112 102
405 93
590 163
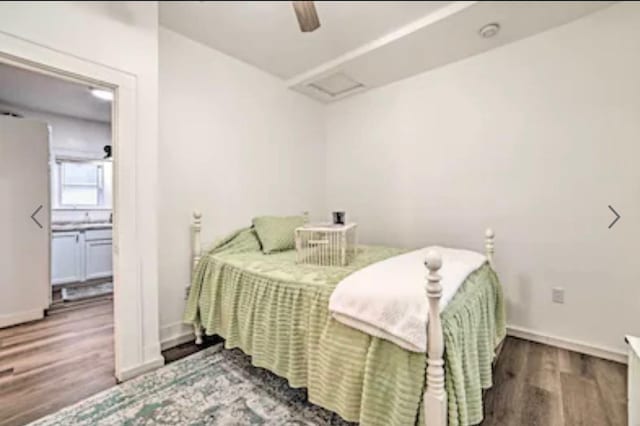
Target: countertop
79 226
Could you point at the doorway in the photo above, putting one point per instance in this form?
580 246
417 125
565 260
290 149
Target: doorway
57 313
136 337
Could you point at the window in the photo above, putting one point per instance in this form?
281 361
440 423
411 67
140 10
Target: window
81 184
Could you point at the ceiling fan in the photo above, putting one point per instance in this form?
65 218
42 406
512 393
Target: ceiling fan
307 15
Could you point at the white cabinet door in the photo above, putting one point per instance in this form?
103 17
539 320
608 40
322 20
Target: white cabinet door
65 257
24 220
98 259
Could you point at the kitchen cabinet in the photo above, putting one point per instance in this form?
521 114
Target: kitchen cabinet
78 256
98 254
65 257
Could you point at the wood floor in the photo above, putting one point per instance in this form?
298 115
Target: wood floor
536 384
49 364
540 385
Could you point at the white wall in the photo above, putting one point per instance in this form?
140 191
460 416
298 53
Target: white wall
535 139
120 36
234 143
73 136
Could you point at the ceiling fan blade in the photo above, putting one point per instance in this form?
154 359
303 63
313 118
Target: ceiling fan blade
307 15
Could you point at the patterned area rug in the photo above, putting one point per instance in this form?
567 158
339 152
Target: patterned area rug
211 387
84 292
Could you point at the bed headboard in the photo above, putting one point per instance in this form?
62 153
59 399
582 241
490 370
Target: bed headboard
196 244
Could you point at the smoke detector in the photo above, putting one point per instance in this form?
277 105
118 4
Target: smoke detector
489 30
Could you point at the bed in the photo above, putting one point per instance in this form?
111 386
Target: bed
276 311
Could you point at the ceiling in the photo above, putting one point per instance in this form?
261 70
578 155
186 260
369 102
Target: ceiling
266 34
31 90
365 43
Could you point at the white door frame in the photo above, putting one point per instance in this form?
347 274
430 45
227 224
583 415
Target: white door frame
136 337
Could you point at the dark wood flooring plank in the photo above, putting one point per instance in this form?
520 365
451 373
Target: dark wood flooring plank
25 400
52 321
57 348
542 392
536 384
539 407
186 349
542 367
48 399
37 335
51 372
576 364
6 372
57 361
503 406
581 401
611 378
79 304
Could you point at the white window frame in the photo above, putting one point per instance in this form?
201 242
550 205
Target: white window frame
100 204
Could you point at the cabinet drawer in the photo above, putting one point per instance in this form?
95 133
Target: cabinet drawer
97 234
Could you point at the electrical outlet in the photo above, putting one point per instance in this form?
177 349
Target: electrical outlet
186 292
557 295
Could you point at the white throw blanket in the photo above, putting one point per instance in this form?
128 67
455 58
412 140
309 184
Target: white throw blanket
388 299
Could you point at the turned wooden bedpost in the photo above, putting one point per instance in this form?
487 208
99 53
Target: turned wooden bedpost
196 253
488 245
435 398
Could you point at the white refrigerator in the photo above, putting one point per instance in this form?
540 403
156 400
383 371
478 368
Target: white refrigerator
24 220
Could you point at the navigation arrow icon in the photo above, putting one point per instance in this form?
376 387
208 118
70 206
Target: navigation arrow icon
617 217
33 216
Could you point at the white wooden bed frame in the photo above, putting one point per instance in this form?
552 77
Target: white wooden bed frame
435 396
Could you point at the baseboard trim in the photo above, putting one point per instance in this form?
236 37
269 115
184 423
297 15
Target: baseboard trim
21 317
130 373
572 345
175 334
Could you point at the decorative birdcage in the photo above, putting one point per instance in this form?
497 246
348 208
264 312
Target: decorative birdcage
326 244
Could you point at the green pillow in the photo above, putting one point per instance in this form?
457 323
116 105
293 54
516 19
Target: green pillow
276 233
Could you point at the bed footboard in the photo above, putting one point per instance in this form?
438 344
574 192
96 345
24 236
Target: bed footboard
435 397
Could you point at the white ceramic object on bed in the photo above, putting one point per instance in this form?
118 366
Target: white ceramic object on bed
435 397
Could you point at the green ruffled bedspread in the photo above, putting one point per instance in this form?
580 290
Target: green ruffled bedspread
277 311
